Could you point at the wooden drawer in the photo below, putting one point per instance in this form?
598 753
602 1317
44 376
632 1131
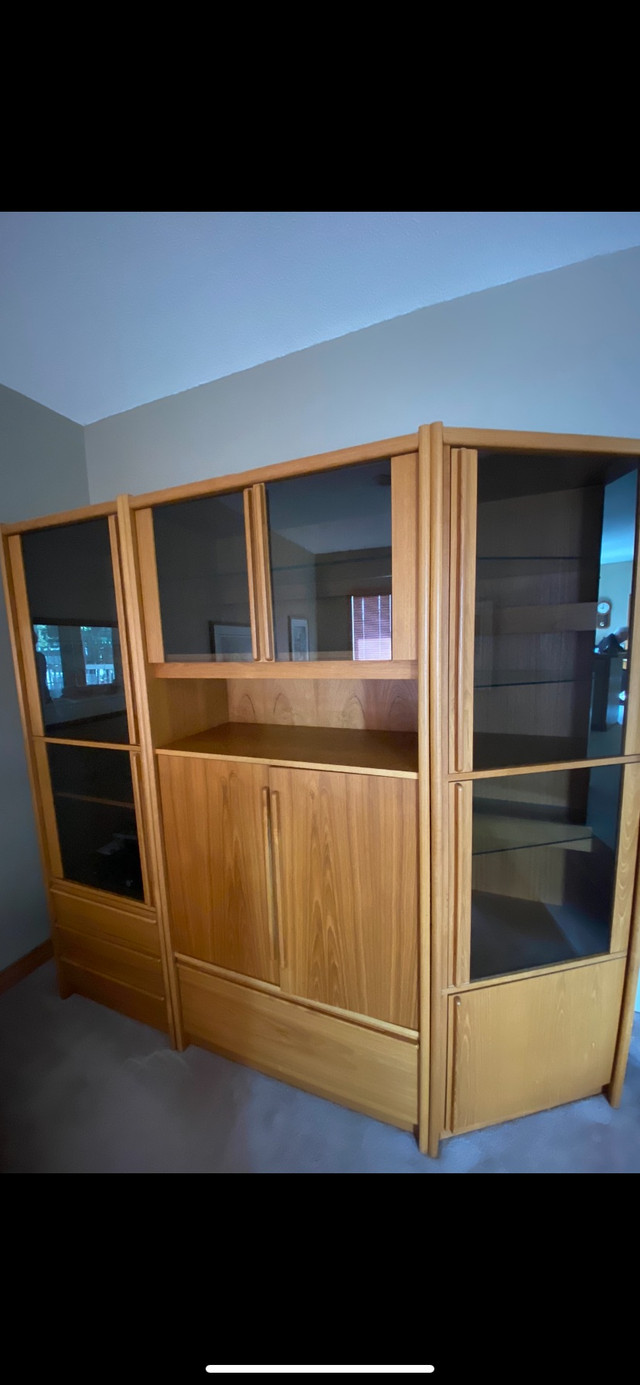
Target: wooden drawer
137 929
357 1067
110 960
526 1045
128 1000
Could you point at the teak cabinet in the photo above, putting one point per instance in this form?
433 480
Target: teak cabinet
336 766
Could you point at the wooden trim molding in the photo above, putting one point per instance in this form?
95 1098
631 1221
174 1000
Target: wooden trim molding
404 555
509 440
25 965
302 466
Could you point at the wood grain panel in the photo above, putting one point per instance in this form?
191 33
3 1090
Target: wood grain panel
626 861
438 461
627 1014
460 839
183 708
138 1005
348 865
101 920
123 964
303 466
370 1072
462 589
149 590
250 544
262 569
132 585
114 543
424 786
318 668
373 705
393 753
632 717
532 1044
24 632
509 440
404 555
216 868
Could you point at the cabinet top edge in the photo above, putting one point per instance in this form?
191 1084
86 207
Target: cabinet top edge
508 440
300 466
84 512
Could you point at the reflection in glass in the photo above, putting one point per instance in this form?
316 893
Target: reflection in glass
555 549
543 868
330 549
95 815
71 595
203 581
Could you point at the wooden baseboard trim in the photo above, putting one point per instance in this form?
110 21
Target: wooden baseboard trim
24 965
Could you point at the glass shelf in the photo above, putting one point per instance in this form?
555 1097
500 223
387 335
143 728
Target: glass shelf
543 868
513 678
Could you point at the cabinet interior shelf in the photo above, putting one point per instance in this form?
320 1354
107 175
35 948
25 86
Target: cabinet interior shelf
496 833
93 798
522 678
393 753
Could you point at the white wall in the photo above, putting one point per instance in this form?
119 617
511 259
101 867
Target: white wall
557 352
42 469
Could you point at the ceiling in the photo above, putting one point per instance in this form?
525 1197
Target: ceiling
103 311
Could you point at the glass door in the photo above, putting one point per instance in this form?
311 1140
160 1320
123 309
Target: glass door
548 551
75 631
543 550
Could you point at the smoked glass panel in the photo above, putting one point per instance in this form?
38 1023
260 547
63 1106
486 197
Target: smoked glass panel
330 549
93 798
72 602
543 868
555 549
203 579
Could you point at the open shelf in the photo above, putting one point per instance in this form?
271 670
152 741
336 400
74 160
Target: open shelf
393 753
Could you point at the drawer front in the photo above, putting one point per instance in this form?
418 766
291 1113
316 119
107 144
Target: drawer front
110 960
96 920
138 1005
357 1067
526 1045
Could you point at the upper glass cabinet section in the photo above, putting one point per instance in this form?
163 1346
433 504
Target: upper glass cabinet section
72 603
203 581
555 548
330 555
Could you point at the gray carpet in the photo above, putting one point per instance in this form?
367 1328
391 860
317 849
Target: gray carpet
85 1090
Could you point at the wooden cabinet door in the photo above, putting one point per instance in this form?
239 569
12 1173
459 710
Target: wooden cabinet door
215 814
345 859
526 1045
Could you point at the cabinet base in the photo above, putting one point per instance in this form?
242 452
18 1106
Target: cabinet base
370 1072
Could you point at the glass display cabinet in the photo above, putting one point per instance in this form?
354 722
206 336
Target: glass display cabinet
538 784
65 596
336 766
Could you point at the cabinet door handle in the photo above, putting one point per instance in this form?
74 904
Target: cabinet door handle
251 571
268 863
276 837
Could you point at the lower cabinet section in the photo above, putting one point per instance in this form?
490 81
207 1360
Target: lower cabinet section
357 1067
526 1045
110 955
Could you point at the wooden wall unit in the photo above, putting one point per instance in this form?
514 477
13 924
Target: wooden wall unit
405 881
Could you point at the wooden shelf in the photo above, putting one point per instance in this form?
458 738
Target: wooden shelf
393 753
274 668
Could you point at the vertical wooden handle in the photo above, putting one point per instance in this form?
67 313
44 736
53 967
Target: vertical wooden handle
276 836
268 865
251 569
464 490
140 820
264 570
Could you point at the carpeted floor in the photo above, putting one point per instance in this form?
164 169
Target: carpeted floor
85 1090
